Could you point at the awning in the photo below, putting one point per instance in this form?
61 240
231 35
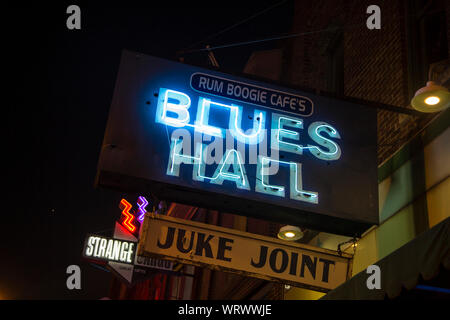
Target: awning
421 259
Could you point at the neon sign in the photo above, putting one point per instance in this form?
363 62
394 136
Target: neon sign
214 140
129 217
174 109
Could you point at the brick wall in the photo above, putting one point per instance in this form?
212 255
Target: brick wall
375 65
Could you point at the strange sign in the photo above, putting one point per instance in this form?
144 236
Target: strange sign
208 139
244 253
109 249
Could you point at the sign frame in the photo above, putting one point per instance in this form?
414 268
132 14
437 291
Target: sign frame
146 237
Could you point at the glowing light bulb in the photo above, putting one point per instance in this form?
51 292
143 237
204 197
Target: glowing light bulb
432 100
289 234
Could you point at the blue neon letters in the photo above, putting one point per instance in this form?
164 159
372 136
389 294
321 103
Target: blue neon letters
174 109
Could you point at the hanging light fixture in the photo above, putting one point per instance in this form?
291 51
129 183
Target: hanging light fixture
431 98
290 233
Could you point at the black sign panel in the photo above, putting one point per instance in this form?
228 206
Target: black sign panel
201 137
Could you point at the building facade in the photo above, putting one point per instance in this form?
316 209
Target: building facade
332 52
386 66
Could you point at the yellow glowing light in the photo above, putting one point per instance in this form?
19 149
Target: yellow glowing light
432 100
289 234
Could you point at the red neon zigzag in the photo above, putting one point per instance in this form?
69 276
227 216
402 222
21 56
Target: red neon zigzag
128 215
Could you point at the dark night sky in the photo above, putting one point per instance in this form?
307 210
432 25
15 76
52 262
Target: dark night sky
62 82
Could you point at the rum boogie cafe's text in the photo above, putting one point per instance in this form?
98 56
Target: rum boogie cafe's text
243 253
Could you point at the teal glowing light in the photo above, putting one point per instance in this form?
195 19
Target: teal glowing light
203 110
239 176
334 151
180 108
176 158
173 109
258 125
279 132
232 158
315 131
201 124
295 181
